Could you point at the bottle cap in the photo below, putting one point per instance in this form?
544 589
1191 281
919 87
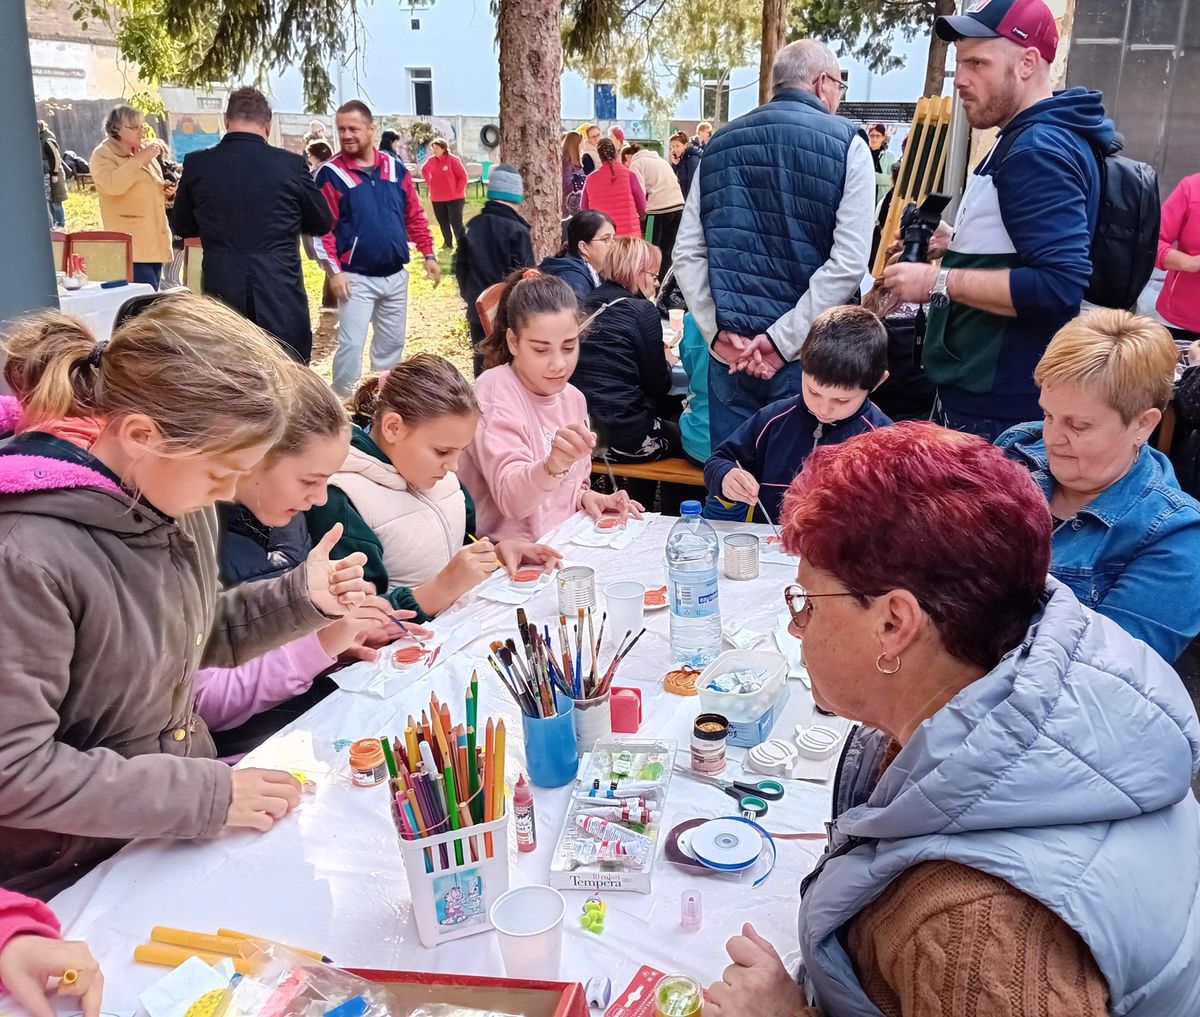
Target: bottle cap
691 914
689 508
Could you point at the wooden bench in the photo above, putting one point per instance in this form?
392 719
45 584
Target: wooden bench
666 471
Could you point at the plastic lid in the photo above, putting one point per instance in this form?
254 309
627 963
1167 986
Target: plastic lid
689 508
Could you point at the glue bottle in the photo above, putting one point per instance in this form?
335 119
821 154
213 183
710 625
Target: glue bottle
523 815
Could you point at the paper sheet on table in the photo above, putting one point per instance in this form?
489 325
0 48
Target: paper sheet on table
173 994
618 538
500 588
381 678
740 636
789 646
770 553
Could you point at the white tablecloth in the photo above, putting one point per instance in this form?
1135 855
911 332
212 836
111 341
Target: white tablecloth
329 876
97 306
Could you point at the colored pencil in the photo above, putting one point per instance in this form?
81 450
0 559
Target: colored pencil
473 778
388 758
498 773
454 822
489 780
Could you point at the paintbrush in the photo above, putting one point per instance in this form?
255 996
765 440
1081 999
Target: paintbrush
612 668
518 682
601 449
758 503
523 628
592 644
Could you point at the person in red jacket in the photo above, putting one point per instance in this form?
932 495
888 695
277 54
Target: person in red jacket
446 178
1179 255
31 953
616 192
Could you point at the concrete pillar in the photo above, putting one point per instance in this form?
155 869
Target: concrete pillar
27 278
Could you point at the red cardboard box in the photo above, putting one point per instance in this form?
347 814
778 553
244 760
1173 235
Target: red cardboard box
507 995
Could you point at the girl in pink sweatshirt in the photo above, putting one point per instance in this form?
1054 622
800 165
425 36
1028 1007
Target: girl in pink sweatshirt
31 953
530 462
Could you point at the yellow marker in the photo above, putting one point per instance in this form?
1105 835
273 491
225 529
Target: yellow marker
69 977
472 539
230 946
172 956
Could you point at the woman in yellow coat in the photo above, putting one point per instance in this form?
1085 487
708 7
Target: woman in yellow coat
133 193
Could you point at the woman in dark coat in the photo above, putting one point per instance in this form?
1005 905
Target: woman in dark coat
589 234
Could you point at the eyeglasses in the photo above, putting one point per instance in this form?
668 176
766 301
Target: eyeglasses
843 88
799 603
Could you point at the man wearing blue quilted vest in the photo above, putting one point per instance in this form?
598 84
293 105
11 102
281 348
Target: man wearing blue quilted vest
776 230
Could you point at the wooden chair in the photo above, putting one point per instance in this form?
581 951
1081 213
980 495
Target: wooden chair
58 243
193 264
107 255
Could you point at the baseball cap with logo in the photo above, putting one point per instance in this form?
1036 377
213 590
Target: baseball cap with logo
1025 22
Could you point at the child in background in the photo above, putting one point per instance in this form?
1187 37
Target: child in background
843 359
399 500
530 463
263 534
497 241
32 953
107 549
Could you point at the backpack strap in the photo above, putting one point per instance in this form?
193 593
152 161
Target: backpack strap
599 311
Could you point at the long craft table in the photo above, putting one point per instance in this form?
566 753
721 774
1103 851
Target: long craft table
329 876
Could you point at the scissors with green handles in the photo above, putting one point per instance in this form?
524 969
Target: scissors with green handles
751 798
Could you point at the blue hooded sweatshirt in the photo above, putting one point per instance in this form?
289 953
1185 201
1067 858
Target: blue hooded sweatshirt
1034 213
1066 772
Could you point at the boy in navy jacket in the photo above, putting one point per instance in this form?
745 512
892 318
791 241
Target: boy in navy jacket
843 359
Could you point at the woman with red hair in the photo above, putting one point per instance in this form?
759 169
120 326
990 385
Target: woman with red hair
1013 830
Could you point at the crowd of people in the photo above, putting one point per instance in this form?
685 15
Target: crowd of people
996 596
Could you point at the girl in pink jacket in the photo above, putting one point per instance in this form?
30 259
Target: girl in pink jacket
31 953
530 462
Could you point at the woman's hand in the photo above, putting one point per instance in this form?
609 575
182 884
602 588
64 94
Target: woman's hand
260 797
514 553
336 587
740 485
369 626
570 444
596 505
755 983
471 565
28 962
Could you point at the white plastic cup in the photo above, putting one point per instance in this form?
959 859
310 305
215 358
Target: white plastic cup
529 926
626 606
675 318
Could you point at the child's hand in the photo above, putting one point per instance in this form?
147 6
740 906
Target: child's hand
368 626
471 565
336 587
740 485
514 553
571 443
260 797
596 505
28 962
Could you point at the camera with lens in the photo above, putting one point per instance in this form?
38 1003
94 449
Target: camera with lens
918 224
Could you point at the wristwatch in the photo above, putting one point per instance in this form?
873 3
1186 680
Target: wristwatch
939 296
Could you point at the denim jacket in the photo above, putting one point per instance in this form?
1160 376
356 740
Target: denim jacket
1133 553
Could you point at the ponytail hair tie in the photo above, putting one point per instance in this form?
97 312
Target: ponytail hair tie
97 351
530 273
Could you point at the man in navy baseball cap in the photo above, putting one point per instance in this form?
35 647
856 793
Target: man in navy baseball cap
1015 266
1025 22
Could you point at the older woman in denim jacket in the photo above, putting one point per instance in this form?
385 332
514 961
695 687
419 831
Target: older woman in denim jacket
1126 538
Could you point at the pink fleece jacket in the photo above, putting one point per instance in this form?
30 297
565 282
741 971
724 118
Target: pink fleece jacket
229 696
24 916
503 467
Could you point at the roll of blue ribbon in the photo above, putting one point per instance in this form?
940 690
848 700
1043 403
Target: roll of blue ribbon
724 866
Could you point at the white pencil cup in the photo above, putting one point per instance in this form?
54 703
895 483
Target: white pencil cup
450 899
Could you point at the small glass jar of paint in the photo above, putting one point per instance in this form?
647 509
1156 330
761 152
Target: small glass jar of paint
708 743
678 996
368 766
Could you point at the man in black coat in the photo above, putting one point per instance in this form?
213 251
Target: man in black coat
249 203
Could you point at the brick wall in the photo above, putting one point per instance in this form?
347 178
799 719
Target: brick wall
51 19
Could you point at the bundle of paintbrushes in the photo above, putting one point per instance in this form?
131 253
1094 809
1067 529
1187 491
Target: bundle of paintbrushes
443 780
532 679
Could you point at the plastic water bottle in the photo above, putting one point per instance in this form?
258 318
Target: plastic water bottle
692 551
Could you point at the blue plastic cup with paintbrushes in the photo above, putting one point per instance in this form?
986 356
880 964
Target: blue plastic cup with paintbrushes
551 755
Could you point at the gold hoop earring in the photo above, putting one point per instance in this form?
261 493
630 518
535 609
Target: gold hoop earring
883 670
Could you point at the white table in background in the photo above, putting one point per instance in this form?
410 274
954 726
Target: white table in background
98 306
329 877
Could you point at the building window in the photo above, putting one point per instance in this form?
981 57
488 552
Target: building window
714 106
421 79
415 24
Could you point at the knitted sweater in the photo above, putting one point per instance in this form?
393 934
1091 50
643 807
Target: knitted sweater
946 940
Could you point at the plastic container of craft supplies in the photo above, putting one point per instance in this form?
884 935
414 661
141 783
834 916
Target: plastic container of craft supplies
749 688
